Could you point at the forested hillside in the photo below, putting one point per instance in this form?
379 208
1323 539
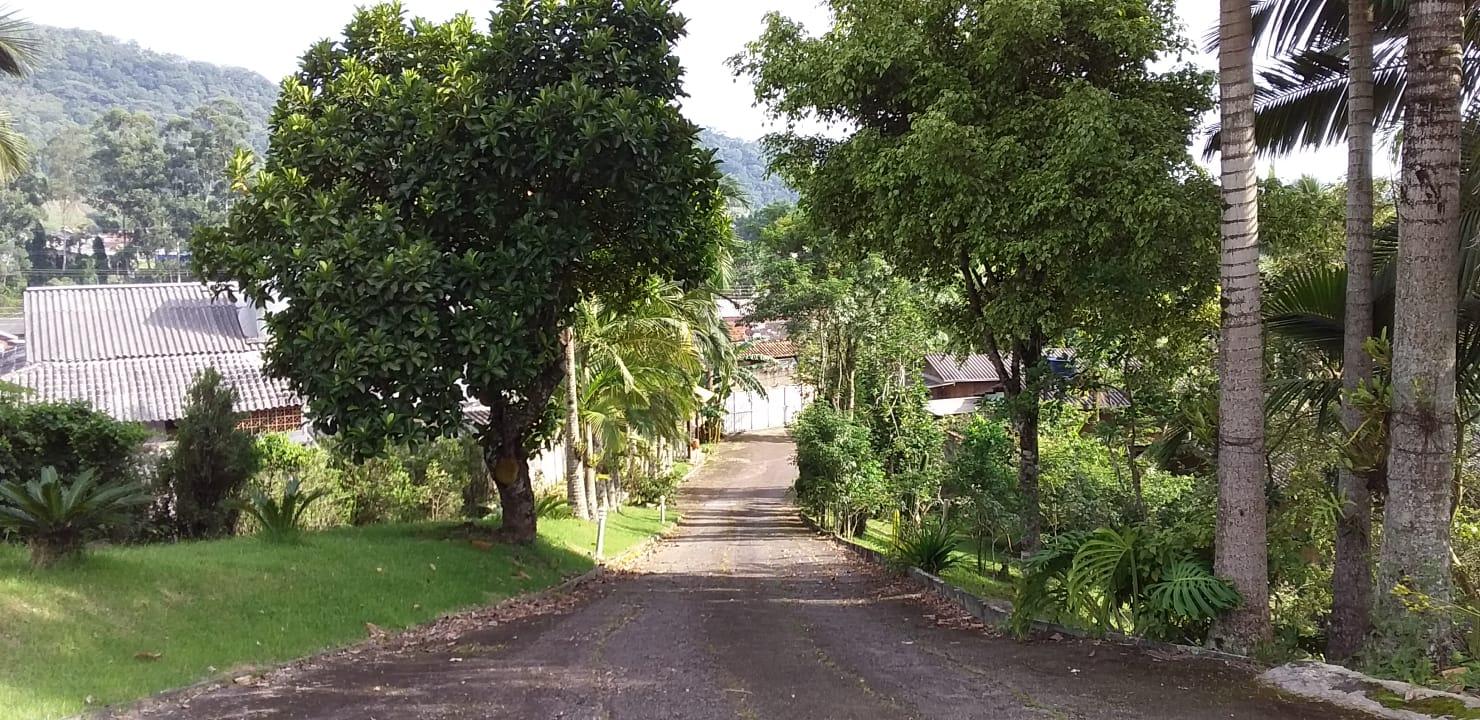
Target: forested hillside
746 162
82 74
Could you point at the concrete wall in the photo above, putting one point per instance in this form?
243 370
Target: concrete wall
751 411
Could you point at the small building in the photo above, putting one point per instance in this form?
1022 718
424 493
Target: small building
959 386
132 351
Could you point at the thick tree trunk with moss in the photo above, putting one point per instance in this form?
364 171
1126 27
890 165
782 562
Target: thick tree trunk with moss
575 485
1415 529
1351 576
1241 551
508 465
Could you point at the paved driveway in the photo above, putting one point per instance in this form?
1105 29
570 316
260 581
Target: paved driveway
745 614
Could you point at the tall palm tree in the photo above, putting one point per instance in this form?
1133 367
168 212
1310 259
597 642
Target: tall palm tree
1240 544
575 485
18 50
1351 579
1415 539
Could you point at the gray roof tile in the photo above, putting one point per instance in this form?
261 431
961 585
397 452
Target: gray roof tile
152 389
108 322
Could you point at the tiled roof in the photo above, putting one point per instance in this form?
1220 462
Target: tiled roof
152 389
774 348
107 322
947 369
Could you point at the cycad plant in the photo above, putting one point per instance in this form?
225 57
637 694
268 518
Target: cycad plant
931 546
281 518
56 516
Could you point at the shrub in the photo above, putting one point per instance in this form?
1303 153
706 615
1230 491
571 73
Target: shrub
55 517
552 507
838 475
930 546
281 519
981 480
212 460
646 488
1137 580
70 437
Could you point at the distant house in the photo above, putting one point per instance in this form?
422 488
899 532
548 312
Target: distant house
958 386
132 351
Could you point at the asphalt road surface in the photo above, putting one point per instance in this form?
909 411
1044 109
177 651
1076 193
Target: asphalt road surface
743 613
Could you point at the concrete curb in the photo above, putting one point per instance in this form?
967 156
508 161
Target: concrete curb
1349 689
996 611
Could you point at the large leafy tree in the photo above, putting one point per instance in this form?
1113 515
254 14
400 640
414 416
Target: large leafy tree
436 200
1021 154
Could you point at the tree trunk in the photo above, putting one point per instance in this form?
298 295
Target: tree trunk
1240 544
1351 576
590 474
508 465
1027 479
1415 527
575 486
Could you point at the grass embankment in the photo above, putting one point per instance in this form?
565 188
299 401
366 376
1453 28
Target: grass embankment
125 622
880 537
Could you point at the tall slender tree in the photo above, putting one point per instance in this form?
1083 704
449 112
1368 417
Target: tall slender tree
575 484
1351 576
1241 551
1415 538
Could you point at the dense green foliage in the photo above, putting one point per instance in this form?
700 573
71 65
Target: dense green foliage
71 437
930 546
211 462
839 479
1023 157
1137 580
456 202
55 516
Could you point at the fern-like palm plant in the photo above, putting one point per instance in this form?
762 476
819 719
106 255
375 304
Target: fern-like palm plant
552 507
931 546
281 519
56 516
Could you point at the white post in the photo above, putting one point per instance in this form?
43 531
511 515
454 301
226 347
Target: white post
662 509
600 533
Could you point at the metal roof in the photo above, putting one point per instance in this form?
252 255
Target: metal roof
947 369
152 389
109 322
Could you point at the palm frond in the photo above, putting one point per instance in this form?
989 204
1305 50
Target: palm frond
15 154
19 46
1310 309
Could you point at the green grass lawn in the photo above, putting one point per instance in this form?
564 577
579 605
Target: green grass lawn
880 537
89 629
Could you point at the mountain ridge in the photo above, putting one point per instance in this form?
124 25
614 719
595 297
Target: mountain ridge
83 73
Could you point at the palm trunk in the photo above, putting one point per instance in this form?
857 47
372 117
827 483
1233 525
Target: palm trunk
575 486
1415 528
1240 546
1351 576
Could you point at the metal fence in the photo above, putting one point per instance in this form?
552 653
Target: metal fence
777 408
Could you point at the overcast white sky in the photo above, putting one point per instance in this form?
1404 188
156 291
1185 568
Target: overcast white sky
269 35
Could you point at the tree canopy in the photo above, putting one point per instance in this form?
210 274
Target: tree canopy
1023 154
437 200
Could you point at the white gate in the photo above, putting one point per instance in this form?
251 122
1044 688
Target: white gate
752 411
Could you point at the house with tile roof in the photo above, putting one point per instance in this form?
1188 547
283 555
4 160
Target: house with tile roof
132 351
958 385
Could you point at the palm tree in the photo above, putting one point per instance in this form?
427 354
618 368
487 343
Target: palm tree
1240 545
1351 579
17 51
1415 540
